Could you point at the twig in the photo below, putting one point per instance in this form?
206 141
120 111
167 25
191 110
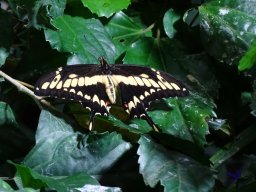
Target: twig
27 91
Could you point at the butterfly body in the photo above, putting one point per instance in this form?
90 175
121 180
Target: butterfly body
96 87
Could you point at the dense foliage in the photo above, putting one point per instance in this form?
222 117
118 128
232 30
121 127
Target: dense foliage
206 140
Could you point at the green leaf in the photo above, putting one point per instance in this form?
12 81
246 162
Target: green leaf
228 28
106 8
3 55
30 178
187 119
6 114
170 17
65 152
146 52
249 59
38 12
175 171
183 118
243 139
86 45
124 31
6 35
5 187
253 100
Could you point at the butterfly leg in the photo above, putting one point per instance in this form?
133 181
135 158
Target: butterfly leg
150 122
91 120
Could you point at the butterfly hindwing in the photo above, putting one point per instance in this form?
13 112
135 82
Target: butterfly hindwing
141 85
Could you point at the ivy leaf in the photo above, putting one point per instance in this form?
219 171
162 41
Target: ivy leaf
106 8
86 45
170 17
124 31
175 171
228 28
61 151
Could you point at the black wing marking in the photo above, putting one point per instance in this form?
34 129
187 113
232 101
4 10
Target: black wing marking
81 83
141 85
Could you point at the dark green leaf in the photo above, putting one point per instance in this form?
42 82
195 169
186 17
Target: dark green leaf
5 187
6 114
38 12
106 8
124 31
249 59
65 152
253 100
6 35
175 171
233 147
183 118
30 178
93 188
86 45
170 17
228 28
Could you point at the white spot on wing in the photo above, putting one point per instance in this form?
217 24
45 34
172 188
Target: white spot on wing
81 81
139 81
144 75
95 99
74 82
80 93
72 76
67 83
175 86
147 83
45 85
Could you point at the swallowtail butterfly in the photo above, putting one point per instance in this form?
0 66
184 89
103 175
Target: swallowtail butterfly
96 87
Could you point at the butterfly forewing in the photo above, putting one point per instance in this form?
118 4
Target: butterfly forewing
81 83
141 85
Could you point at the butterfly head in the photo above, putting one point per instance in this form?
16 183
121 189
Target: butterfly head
103 64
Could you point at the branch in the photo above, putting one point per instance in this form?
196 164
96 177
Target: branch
27 91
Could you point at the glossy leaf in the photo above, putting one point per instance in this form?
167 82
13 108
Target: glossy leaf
228 28
30 178
170 17
124 31
6 114
175 171
106 8
249 59
71 152
86 45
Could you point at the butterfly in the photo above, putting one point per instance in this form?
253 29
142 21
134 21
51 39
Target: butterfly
97 87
